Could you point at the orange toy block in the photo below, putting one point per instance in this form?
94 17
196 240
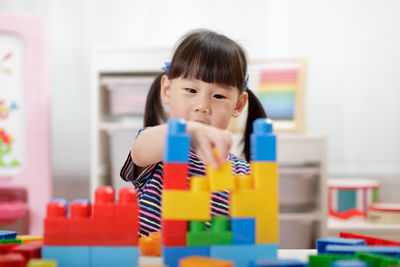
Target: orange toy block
267 224
29 238
197 261
243 198
222 178
265 174
188 205
150 245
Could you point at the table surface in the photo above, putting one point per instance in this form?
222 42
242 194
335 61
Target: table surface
298 254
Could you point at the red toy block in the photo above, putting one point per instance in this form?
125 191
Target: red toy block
104 206
12 260
81 224
174 233
175 176
32 250
371 241
6 248
55 224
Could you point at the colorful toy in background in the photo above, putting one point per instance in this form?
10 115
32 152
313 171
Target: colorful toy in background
384 212
251 231
351 250
349 198
3 67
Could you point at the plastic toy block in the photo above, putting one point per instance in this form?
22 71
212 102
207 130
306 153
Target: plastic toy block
277 263
349 263
377 260
150 245
350 250
243 255
80 224
221 178
29 238
177 142
188 205
10 241
243 230
265 174
172 255
55 224
104 203
323 242
67 256
30 250
8 234
243 198
263 141
114 256
267 224
175 176
371 241
174 233
196 261
6 248
12 260
41 263
326 260
219 233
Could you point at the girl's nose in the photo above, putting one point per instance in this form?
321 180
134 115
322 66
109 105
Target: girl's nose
203 107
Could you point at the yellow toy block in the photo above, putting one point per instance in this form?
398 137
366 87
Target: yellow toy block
41 263
188 205
29 238
243 198
222 178
265 174
267 224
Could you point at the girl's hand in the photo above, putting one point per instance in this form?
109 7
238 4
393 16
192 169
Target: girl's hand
205 138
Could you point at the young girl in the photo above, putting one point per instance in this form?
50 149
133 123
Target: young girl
206 84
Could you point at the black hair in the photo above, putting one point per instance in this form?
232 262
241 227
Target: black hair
213 58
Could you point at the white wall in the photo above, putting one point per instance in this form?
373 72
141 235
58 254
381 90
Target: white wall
353 86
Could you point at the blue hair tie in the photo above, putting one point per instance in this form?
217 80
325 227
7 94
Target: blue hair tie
246 86
167 64
166 67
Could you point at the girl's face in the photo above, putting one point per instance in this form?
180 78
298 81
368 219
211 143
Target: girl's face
207 103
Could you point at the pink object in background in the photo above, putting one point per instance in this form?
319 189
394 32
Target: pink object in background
34 175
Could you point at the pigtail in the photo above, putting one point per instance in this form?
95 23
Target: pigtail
154 112
255 111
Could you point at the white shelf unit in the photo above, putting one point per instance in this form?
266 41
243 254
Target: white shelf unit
297 154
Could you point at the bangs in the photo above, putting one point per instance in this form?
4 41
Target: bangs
211 58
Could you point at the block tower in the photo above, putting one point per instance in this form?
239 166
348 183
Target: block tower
251 231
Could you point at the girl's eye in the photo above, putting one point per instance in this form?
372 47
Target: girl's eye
190 90
219 96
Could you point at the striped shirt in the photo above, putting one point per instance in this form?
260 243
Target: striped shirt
150 184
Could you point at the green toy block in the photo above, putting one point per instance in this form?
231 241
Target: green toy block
377 260
326 260
10 241
219 233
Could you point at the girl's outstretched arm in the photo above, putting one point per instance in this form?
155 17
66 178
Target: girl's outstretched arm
148 148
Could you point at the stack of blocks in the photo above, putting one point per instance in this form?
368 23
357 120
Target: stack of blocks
250 233
108 237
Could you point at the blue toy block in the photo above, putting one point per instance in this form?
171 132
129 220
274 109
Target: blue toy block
323 242
277 263
177 142
67 256
263 141
8 234
350 250
172 255
243 255
243 230
349 263
106 256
